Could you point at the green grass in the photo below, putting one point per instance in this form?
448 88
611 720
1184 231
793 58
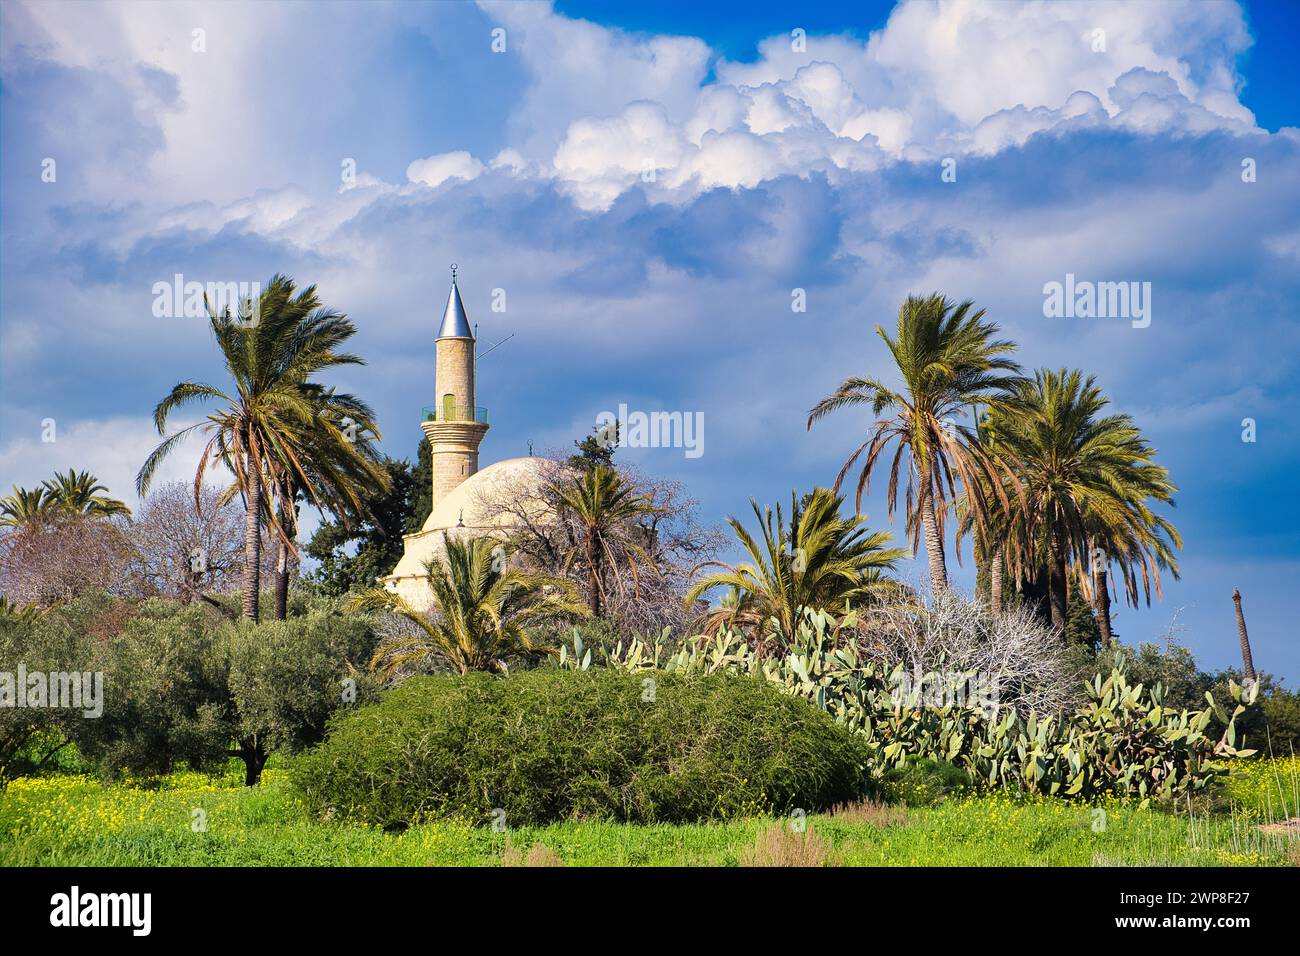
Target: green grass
77 821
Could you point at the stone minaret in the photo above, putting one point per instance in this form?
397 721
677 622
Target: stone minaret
454 426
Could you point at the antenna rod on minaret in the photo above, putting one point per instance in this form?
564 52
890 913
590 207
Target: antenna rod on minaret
497 346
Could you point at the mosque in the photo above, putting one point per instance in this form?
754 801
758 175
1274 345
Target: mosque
455 427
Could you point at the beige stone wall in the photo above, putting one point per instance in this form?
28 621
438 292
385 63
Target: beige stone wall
455 453
454 443
455 371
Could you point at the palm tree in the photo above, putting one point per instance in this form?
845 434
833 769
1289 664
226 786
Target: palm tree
351 470
603 503
949 361
1086 480
994 540
269 427
27 508
818 561
1142 542
22 613
79 493
484 608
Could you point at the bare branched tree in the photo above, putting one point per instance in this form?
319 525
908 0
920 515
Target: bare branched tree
1014 651
57 560
182 549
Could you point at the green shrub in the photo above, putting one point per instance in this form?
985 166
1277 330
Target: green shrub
923 782
1280 717
164 693
549 745
183 685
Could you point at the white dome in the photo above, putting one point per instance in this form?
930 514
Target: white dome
466 511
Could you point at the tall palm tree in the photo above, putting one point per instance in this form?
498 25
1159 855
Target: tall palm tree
352 471
949 361
1142 543
819 561
1087 482
484 609
79 492
996 540
26 508
270 422
603 503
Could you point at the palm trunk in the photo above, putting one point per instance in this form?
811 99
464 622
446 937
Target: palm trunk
1056 582
1101 604
933 546
252 541
995 583
1247 661
593 576
282 583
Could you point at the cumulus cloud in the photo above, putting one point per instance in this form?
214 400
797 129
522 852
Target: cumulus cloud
938 79
581 69
436 170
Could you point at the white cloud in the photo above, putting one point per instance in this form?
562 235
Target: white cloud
581 69
1015 126
957 76
600 158
601 103
436 170
112 449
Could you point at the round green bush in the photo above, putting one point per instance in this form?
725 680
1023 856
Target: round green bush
547 745
923 782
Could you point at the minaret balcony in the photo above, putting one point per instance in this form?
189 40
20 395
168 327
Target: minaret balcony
454 413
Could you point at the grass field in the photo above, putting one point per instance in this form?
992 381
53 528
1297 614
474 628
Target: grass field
69 820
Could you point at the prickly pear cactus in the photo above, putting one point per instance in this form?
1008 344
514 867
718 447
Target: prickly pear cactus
1125 741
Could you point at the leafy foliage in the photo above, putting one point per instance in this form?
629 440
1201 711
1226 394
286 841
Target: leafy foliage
77 493
602 503
645 555
1124 741
166 676
26 508
80 493
547 745
285 679
186 685
353 554
818 560
484 611
279 433
1087 480
29 735
949 361
596 450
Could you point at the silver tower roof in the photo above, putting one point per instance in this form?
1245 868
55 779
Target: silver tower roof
455 323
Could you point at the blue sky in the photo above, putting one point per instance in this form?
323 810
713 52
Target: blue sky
649 187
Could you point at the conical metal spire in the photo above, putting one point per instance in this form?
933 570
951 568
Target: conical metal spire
455 323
